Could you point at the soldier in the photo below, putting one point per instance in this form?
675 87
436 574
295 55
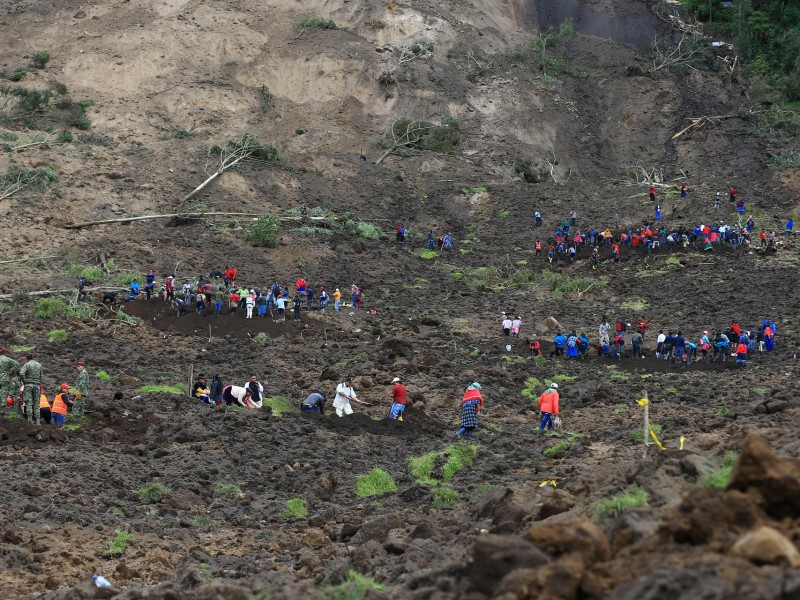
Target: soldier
9 369
81 389
31 375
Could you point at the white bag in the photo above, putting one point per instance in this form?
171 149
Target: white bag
557 422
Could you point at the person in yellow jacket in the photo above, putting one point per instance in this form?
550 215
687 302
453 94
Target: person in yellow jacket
337 299
61 403
44 407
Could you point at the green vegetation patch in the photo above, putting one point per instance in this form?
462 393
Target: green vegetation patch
375 482
264 231
152 493
445 496
296 507
460 456
720 478
57 335
355 587
421 468
119 543
532 384
568 439
619 503
103 376
637 435
48 308
317 23
178 389
227 490
278 404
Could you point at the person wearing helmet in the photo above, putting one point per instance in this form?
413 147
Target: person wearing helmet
9 369
471 408
548 406
61 404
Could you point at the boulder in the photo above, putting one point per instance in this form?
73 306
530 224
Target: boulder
494 556
548 325
766 546
775 478
565 536
316 538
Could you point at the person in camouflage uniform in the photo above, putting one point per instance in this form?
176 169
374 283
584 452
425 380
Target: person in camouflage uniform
31 375
81 390
9 369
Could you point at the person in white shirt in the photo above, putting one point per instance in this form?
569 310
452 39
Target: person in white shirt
515 326
250 302
234 394
604 330
344 393
506 325
660 343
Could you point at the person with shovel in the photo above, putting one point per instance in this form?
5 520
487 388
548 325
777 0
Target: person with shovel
344 394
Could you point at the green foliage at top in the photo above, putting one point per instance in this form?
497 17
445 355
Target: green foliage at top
545 54
766 33
619 503
375 482
264 231
278 404
296 507
317 23
355 587
152 493
47 308
720 478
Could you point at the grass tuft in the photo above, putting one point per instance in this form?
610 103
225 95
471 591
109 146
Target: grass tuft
619 503
461 456
152 493
637 435
720 478
176 389
228 490
421 468
445 497
375 482
278 404
119 543
103 376
355 587
57 335
47 308
296 507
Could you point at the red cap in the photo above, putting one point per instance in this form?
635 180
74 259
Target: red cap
3 350
64 386
82 363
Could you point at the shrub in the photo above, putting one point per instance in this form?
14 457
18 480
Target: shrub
57 335
118 544
152 493
116 511
103 376
47 308
619 503
127 319
264 231
229 490
296 507
355 587
368 231
65 136
204 521
260 338
720 478
317 23
375 482
445 497
503 214
278 404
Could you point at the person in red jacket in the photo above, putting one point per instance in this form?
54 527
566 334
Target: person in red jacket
398 400
652 193
548 406
741 355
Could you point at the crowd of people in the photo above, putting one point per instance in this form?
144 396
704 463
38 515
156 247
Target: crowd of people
220 293
670 346
22 387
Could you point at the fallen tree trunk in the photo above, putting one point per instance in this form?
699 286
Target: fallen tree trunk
167 216
16 260
59 292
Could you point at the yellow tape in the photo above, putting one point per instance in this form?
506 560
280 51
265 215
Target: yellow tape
548 482
655 439
683 439
643 402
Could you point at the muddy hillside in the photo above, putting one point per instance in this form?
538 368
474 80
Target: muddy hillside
287 140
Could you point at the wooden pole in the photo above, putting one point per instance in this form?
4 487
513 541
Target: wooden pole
191 379
646 424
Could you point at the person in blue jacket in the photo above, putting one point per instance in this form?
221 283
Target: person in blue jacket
134 291
559 342
572 345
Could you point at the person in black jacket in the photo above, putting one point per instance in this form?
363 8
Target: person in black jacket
216 390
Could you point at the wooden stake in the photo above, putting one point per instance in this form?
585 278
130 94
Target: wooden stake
191 378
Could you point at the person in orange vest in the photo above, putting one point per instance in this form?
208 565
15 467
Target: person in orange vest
44 406
741 355
61 404
471 407
548 406
538 248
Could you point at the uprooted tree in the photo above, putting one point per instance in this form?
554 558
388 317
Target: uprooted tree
421 135
235 152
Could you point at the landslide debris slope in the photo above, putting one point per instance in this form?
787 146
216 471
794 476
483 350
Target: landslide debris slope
548 106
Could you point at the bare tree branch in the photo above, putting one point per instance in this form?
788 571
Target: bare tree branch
412 135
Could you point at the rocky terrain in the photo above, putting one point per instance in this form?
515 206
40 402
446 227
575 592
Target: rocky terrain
167 498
